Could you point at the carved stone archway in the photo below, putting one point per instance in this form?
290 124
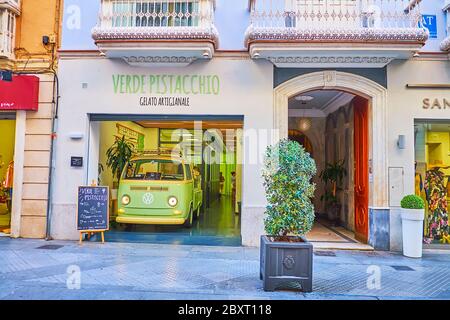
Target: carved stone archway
360 86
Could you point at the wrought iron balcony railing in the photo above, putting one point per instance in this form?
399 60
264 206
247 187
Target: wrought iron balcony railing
156 20
336 21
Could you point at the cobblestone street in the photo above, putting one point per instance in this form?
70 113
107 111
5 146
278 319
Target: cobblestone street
145 271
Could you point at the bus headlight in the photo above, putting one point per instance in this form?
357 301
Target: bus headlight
173 201
126 200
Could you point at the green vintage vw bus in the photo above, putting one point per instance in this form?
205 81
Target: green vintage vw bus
158 188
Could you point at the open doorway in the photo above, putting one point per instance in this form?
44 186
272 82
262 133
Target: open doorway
7 145
332 126
181 183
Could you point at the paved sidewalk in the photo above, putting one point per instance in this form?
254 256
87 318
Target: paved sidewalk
146 271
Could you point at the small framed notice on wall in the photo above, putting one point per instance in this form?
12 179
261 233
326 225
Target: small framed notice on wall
76 162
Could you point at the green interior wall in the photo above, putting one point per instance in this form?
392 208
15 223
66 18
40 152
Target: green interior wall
228 166
108 132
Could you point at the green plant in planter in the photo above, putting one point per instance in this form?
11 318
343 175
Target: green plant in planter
101 168
287 174
412 202
118 156
332 176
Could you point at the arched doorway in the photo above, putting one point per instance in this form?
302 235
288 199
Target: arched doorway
369 114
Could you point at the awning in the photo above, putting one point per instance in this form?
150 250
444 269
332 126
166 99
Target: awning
22 93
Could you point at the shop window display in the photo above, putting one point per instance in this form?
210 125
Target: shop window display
6 187
178 183
436 195
432 178
7 128
157 189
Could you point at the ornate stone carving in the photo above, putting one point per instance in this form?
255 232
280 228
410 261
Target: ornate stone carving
159 59
329 78
445 44
337 35
156 33
289 262
343 60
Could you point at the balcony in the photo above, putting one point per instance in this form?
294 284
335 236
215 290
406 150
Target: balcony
445 44
334 33
157 33
11 5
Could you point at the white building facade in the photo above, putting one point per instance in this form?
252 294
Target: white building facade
348 79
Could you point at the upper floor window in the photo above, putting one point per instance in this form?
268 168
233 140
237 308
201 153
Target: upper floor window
447 15
445 44
7 29
168 13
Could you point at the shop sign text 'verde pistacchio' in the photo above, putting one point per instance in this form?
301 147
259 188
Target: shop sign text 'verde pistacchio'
166 90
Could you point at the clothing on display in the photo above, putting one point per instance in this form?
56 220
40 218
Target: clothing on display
436 195
9 177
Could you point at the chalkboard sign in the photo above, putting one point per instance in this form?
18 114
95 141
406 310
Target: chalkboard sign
93 209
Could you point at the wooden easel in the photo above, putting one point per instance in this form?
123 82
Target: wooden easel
90 233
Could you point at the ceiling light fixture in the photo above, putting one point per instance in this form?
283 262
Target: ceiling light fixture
304 98
304 124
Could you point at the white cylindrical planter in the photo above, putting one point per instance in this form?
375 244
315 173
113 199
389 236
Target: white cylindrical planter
412 231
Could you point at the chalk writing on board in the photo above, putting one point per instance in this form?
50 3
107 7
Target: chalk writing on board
93 207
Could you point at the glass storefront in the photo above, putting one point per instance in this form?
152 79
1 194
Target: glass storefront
151 191
432 177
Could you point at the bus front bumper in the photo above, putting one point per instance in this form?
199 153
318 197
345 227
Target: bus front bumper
150 220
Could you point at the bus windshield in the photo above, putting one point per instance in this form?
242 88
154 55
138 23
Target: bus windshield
153 170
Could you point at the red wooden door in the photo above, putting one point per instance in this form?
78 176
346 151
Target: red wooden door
361 149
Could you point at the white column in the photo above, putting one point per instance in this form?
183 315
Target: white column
239 159
93 152
19 155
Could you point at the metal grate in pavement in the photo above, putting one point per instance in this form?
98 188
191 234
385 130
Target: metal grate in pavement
323 253
403 268
371 253
50 247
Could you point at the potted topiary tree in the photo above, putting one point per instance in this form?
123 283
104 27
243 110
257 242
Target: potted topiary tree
286 255
413 213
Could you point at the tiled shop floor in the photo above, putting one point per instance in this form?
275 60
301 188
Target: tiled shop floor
157 271
218 225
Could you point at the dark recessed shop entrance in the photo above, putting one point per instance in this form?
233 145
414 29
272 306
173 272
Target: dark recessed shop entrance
173 179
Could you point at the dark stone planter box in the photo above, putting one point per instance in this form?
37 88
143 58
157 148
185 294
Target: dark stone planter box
286 262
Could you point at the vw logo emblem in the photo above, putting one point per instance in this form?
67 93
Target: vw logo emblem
148 198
